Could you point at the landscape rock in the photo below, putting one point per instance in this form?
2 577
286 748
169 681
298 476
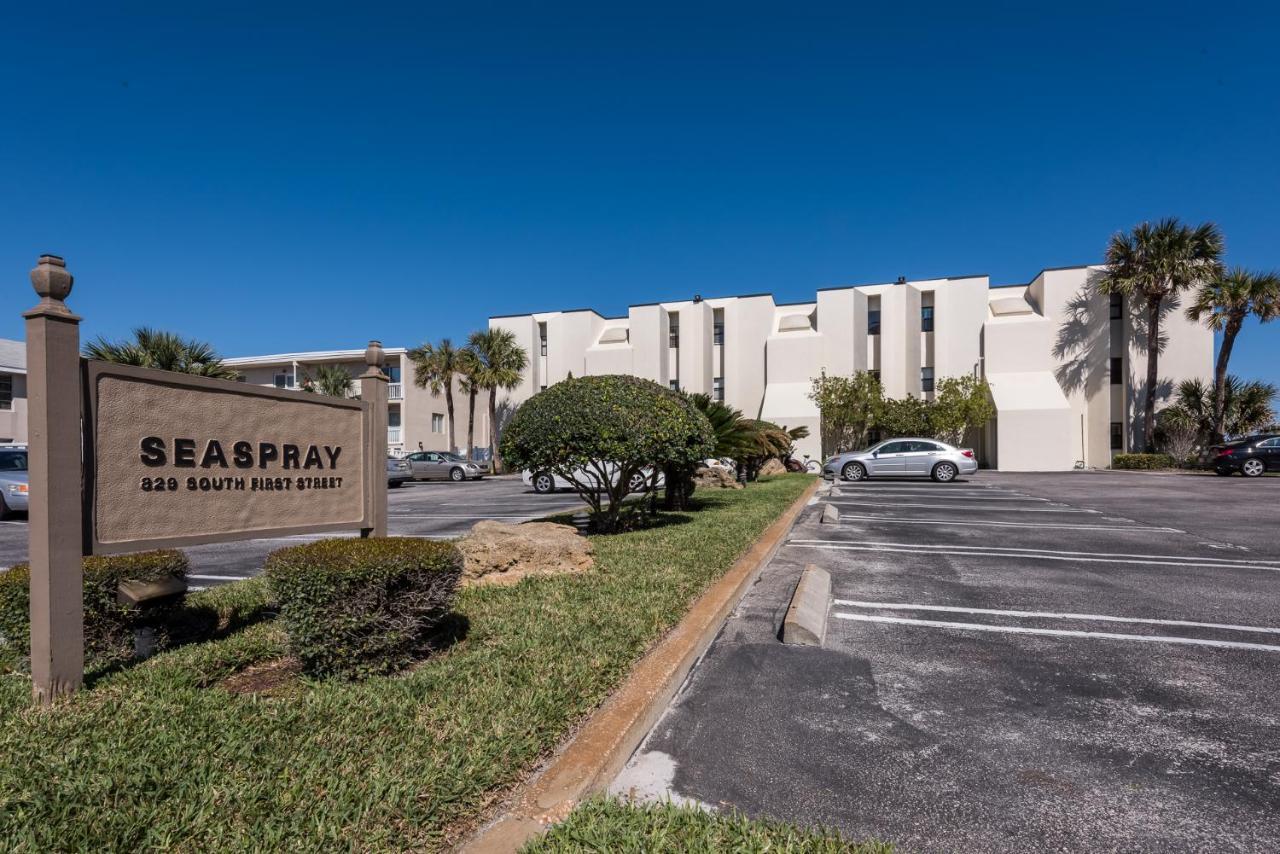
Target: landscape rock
709 477
499 553
773 466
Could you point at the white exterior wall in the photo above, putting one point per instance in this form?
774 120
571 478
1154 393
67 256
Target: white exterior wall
1044 347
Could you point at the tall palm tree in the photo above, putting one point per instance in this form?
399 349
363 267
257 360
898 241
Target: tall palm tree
500 364
1155 263
434 368
165 351
467 368
333 380
1223 304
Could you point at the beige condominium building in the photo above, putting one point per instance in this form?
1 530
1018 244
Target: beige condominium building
1066 366
13 391
416 418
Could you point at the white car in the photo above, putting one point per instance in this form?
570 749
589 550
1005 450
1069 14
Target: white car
544 482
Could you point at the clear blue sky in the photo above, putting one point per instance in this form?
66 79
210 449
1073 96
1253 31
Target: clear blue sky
274 179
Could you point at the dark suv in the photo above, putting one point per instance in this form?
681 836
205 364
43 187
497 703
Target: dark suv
1251 457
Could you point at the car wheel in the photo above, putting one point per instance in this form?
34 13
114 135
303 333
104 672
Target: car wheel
543 483
456 475
853 471
1253 468
637 483
395 484
945 472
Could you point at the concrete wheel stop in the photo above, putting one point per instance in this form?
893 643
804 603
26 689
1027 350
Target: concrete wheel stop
806 620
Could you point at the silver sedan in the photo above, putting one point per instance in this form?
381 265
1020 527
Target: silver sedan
13 481
909 457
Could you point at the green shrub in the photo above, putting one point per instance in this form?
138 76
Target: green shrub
360 607
108 624
1143 462
612 426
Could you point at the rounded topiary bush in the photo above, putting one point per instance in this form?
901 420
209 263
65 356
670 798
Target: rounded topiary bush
108 624
361 607
613 427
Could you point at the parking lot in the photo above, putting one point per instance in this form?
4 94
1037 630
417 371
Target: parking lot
439 509
1011 662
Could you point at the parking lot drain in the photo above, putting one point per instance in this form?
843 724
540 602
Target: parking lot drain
806 620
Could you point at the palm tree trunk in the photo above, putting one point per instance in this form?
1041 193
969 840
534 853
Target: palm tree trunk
1220 378
1153 375
471 423
495 462
448 405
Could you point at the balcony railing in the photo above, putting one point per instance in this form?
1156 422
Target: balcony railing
393 435
395 391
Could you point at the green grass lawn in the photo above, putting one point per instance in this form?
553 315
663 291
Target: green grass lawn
162 755
609 826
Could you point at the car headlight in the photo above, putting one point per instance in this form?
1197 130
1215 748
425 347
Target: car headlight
18 488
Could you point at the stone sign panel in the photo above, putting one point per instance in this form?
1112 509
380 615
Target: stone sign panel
178 460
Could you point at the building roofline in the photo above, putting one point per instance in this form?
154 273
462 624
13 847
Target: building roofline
274 358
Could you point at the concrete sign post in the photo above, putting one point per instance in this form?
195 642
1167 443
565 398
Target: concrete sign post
373 390
124 458
53 457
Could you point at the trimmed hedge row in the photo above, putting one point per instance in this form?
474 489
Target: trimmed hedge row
362 607
1143 462
108 624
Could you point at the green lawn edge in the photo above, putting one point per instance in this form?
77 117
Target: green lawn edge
608 825
159 755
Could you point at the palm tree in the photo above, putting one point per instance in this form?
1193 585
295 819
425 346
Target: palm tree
333 380
467 367
434 368
500 363
734 434
1155 263
165 351
1223 304
1247 405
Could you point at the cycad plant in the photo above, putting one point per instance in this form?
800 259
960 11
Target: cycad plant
1248 406
165 351
1223 304
1153 264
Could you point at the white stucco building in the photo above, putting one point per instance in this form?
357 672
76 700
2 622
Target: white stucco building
1066 366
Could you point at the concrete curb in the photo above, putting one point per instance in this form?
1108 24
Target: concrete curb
830 514
597 752
806 620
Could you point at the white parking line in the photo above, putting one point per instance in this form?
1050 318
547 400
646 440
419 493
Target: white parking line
218 577
968 523
953 507
958 549
821 544
477 516
1050 615
938 495
1066 633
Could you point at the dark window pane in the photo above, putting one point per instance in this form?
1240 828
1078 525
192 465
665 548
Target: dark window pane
926 318
1117 436
1117 370
1117 306
873 322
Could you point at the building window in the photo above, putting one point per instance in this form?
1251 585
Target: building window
282 381
673 330
875 375
1117 436
717 327
392 372
873 321
437 422
542 337
1117 370
926 318
6 391
393 418
717 388
542 388
675 385
1117 306
926 379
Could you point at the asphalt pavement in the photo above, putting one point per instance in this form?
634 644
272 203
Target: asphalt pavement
436 509
1070 662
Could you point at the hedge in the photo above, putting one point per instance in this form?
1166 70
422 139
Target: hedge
1143 462
362 607
108 624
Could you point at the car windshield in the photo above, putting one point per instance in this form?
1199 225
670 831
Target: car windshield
13 460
